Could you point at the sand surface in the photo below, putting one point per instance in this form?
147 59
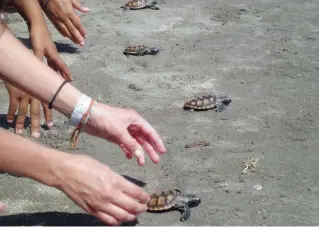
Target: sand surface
264 54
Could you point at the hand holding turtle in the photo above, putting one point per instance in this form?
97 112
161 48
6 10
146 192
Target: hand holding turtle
64 18
127 129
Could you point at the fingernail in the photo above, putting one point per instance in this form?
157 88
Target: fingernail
82 43
138 153
50 124
85 36
83 6
19 131
36 134
10 121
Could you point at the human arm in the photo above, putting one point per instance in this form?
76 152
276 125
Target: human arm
89 183
124 127
38 80
40 36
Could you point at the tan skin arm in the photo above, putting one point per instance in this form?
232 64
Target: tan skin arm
30 10
36 74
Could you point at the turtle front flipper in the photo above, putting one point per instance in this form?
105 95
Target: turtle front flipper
152 5
187 211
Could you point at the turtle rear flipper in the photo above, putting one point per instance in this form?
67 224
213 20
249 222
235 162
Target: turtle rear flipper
187 211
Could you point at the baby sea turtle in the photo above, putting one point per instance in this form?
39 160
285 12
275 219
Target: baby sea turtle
207 102
140 50
139 4
173 199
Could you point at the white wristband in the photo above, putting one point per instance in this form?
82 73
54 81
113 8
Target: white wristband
81 107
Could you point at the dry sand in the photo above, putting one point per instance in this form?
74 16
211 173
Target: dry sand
264 54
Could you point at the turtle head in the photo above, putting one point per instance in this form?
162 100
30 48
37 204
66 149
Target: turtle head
221 102
192 200
154 50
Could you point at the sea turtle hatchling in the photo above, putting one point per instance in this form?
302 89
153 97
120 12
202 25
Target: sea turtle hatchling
139 4
207 102
140 50
173 199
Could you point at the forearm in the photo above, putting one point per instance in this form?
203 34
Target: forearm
31 11
22 69
25 158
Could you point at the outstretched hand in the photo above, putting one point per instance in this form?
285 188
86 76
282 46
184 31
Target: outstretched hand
100 191
20 101
127 129
66 21
43 46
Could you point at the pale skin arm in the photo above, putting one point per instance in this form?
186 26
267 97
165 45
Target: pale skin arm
124 127
35 74
38 162
89 183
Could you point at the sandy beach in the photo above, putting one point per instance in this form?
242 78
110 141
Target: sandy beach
263 54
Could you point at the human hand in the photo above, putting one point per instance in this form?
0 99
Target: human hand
99 191
43 45
21 100
127 129
66 21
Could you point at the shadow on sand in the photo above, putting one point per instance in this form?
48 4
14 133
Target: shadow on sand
54 219
60 218
61 47
4 124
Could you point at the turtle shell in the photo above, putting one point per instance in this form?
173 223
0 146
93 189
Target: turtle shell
204 102
136 4
163 201
133 49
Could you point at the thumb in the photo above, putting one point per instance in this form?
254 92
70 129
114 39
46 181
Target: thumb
81 7
1 207
133 147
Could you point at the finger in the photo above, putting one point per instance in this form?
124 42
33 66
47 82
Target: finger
35 118
118 213
107 219
22 113
1 207
39 54
134 191
133 147
81 7
75 19
75 33
63 30
149 149
47 115
14 102
130 205
58 63
150 134
128 154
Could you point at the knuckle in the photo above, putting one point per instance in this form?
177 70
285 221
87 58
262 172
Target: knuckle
106 197
122 217
35 113
114 181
